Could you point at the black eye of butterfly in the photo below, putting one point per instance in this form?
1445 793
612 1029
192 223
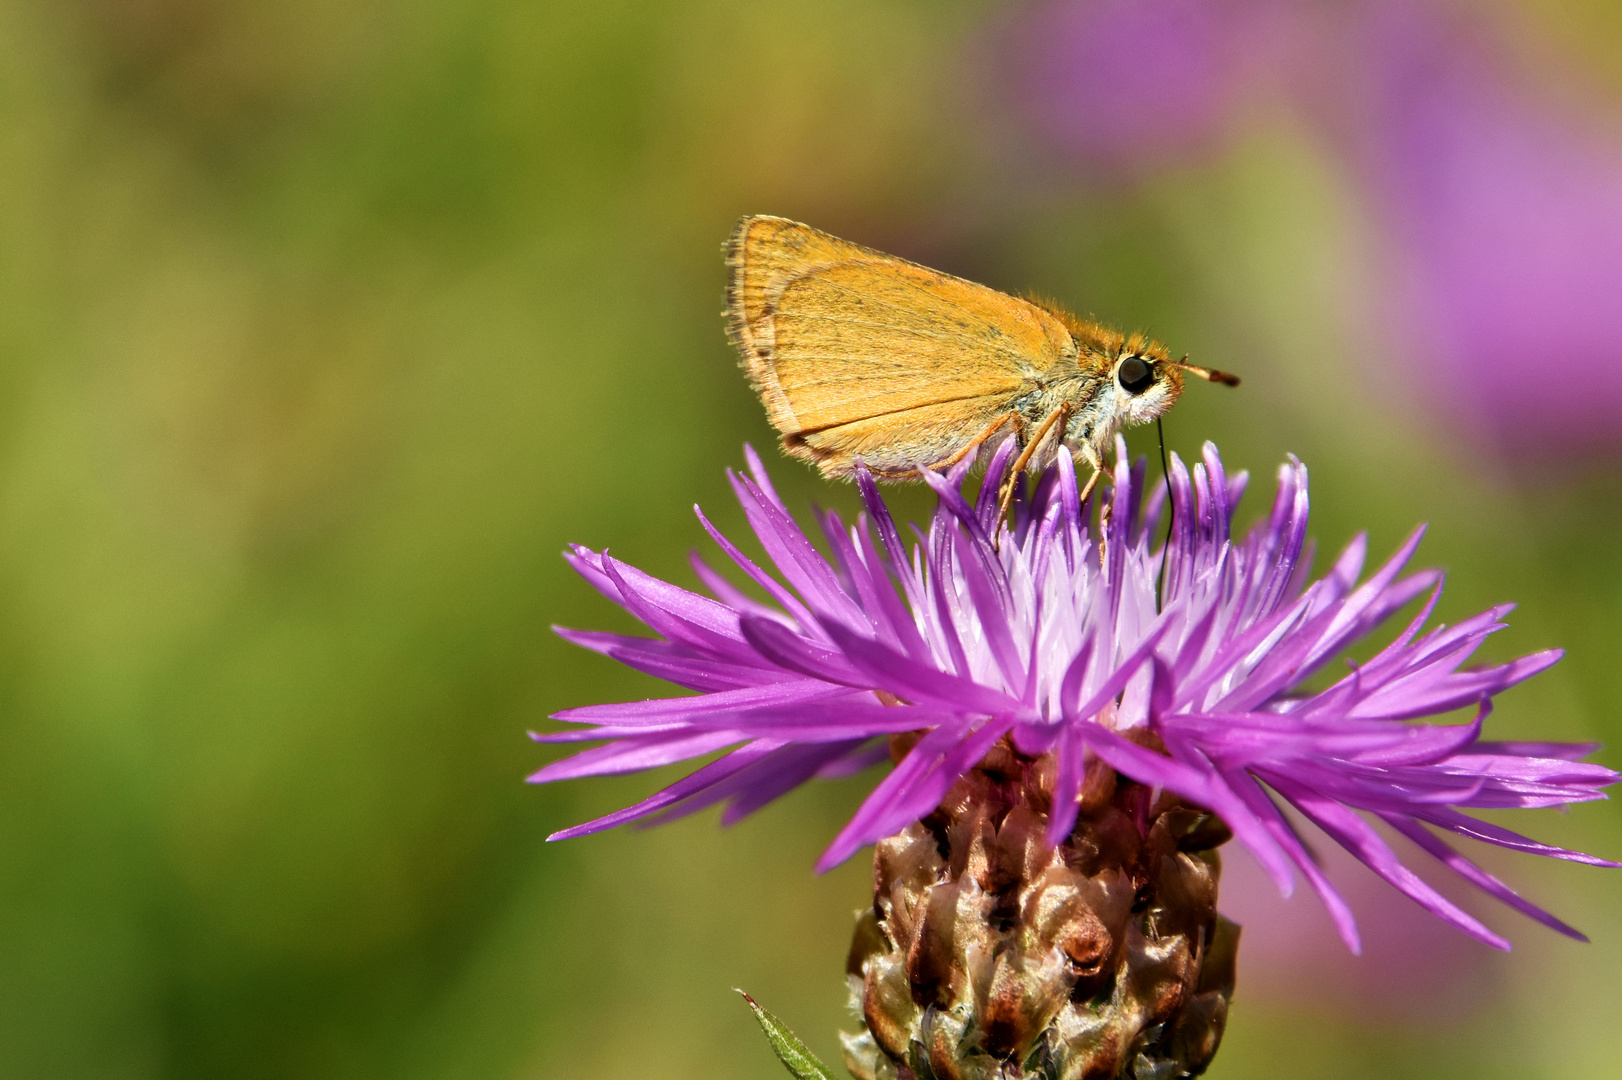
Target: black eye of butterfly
1134 375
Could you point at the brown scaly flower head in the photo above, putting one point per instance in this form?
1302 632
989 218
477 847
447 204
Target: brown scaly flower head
1069 744
988 953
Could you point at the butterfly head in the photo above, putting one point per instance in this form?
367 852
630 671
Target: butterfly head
1144 383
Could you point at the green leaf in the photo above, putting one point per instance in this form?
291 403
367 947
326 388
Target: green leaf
790 1051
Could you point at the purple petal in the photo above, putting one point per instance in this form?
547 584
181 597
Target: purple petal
1356 836
635 755
792 652
1475 875
914 682
712 773
1278 828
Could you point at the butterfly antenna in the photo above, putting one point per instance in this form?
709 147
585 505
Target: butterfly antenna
1206 373
1171 517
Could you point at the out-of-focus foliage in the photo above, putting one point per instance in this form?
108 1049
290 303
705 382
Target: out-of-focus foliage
325 326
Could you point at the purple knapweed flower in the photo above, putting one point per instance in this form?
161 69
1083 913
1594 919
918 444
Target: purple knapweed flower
1056 640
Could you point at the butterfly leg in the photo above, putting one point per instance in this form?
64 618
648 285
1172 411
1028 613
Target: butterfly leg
1005 496
975 443
1091 457
1087 489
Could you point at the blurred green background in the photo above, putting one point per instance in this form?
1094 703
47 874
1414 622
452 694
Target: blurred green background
325 326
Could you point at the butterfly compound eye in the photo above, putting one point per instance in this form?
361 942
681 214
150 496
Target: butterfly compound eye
1134 375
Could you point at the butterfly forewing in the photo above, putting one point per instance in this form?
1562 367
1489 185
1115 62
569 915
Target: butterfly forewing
859 353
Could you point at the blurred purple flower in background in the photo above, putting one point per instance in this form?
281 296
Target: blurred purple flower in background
1123 86
1509 217
1502 208
1049 638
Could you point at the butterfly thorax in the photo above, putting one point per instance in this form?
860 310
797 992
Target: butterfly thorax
1085 379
